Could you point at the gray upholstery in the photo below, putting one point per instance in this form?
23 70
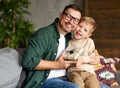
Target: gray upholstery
10 68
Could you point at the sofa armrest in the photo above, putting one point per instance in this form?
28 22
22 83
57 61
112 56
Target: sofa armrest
118 77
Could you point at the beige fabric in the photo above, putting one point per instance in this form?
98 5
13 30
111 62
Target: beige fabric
84 79
83 48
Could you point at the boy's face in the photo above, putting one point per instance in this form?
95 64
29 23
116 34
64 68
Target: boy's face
82 31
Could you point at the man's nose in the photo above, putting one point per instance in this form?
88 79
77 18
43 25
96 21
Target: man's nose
71 21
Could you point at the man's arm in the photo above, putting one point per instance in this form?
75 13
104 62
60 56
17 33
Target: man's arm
96 58
58 64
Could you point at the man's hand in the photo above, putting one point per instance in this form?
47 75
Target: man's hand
63 64
96 58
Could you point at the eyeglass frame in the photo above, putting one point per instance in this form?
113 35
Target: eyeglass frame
70 17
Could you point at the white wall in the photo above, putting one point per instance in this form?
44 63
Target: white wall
43 12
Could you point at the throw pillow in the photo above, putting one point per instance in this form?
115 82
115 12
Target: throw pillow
106 71
10 68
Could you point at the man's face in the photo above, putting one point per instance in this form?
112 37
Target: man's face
82 31
69 20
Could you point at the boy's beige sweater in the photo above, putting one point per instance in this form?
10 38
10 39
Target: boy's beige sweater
83 48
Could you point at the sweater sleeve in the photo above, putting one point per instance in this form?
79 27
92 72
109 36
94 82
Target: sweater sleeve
90 48
34 51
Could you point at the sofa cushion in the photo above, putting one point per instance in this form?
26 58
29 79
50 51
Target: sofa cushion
10 68
106 71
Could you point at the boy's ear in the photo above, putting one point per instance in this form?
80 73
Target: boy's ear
89 35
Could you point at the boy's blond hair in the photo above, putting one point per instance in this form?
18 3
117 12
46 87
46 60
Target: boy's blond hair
90 21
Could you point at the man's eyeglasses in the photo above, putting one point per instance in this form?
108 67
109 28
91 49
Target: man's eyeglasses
69 18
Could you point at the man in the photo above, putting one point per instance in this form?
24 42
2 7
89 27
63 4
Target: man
45 68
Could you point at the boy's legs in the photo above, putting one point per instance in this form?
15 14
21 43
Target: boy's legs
97 83
75 77
58 83
91 81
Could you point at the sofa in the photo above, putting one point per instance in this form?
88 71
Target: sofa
11 73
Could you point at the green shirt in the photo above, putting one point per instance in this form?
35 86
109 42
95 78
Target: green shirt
43 44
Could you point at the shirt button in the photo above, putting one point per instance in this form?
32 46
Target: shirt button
41 83
54 53
57 44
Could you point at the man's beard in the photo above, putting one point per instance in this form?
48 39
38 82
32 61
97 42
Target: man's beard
61 26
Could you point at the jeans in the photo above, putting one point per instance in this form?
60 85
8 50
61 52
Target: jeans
104 86
62 83
58 83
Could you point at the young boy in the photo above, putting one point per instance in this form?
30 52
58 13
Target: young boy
81 49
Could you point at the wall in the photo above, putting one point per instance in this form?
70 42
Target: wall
43 12
107 16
